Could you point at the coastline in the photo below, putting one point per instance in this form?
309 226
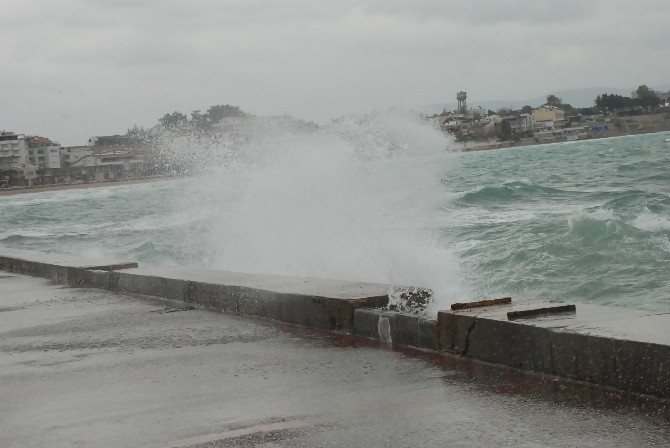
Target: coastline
59 187
627 127
620 127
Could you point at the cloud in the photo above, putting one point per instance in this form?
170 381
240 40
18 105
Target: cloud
117 63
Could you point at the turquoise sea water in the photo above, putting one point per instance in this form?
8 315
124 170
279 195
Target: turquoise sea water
583 221
586 221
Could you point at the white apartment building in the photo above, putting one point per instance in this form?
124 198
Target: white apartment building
15 170
43 153
13 148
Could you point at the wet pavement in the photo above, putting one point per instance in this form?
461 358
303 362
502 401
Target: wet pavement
84 367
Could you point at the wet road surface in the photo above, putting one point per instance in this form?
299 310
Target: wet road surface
83 367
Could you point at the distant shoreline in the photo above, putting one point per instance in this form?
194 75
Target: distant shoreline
476 146
618 127
59 187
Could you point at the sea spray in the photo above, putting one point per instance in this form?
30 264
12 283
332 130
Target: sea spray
558 221
356 199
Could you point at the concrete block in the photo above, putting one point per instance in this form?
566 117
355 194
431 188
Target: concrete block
325 304
75 277
113 281
366 322
386 326
341 311
130 283
406 329
96 279
151 286
452 329
622 364
427 336
205 294
57 268
515 345
174 289
556 347
257 302
309 311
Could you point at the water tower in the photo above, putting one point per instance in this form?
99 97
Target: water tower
462 104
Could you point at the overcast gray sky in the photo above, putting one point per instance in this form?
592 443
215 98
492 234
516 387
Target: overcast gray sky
70 69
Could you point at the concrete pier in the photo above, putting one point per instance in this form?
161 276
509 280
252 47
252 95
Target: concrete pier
87 367
61 269
318 303
620 348
615 347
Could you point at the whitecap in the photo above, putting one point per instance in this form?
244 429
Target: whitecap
650 222
661 242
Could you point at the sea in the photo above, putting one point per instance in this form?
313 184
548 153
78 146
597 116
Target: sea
386 198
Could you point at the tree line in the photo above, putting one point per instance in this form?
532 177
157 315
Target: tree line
646 98
200 120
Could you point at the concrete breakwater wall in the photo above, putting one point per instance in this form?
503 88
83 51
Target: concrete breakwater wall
614 347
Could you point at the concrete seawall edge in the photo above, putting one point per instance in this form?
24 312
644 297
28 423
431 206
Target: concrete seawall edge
589 346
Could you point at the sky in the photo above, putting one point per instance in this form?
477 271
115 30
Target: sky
71 69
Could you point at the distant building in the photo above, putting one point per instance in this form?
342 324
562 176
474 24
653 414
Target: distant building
21 174
43 153
516 126
71 154
548 113
107 166
13 148
547 118
15 171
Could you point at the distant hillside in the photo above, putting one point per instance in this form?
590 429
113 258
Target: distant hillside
575 97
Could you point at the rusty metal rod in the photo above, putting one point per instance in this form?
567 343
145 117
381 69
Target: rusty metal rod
540 311
468 305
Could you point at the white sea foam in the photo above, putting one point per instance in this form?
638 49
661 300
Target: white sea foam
26 234
476 216
357 200
520 180
660 241
591 214
650 222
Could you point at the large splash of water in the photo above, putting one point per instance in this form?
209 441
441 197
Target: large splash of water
357 199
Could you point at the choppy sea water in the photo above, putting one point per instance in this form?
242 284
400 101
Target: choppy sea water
583 221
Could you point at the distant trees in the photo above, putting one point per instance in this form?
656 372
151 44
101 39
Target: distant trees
173 120
553 100
504 110
646 97
138 135
201 121
218 113
613 102
506 130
